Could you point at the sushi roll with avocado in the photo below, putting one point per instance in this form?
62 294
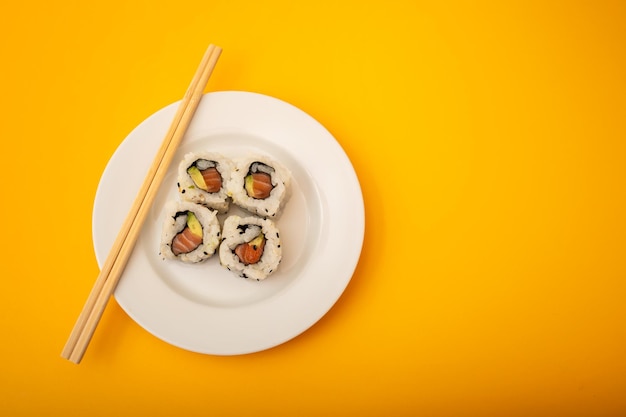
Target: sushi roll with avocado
260 185
191 232
250 247
202 179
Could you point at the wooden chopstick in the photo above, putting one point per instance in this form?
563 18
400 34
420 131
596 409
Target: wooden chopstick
117 258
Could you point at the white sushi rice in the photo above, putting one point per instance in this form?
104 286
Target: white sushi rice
238 230
271 206
174 224
188 191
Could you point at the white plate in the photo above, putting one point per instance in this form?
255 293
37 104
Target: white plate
204 307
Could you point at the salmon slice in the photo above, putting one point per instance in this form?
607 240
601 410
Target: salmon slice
249 253
185 242
261 185
212 179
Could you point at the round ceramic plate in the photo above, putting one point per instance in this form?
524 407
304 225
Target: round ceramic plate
204 307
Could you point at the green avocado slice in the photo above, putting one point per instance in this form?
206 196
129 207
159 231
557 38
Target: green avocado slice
249 185
194 224
197 177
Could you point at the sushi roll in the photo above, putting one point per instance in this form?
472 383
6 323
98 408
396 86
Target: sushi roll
202 179
260 185
250 247
191 232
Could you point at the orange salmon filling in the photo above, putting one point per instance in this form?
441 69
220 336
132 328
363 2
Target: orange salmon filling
185 242
261 185
249 253
212 179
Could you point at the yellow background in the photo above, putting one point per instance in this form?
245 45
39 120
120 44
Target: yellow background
488 138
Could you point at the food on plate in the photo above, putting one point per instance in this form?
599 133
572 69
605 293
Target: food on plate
260 185
202 179
207 181
250 246
191 232
191 236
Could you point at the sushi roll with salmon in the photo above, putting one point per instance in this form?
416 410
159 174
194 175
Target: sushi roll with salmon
202 179
191 232
250 247
260 185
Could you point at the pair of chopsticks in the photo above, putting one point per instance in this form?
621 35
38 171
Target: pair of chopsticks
117 259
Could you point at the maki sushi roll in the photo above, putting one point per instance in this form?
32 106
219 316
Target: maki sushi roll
250 247
260 185
191 232
202 179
